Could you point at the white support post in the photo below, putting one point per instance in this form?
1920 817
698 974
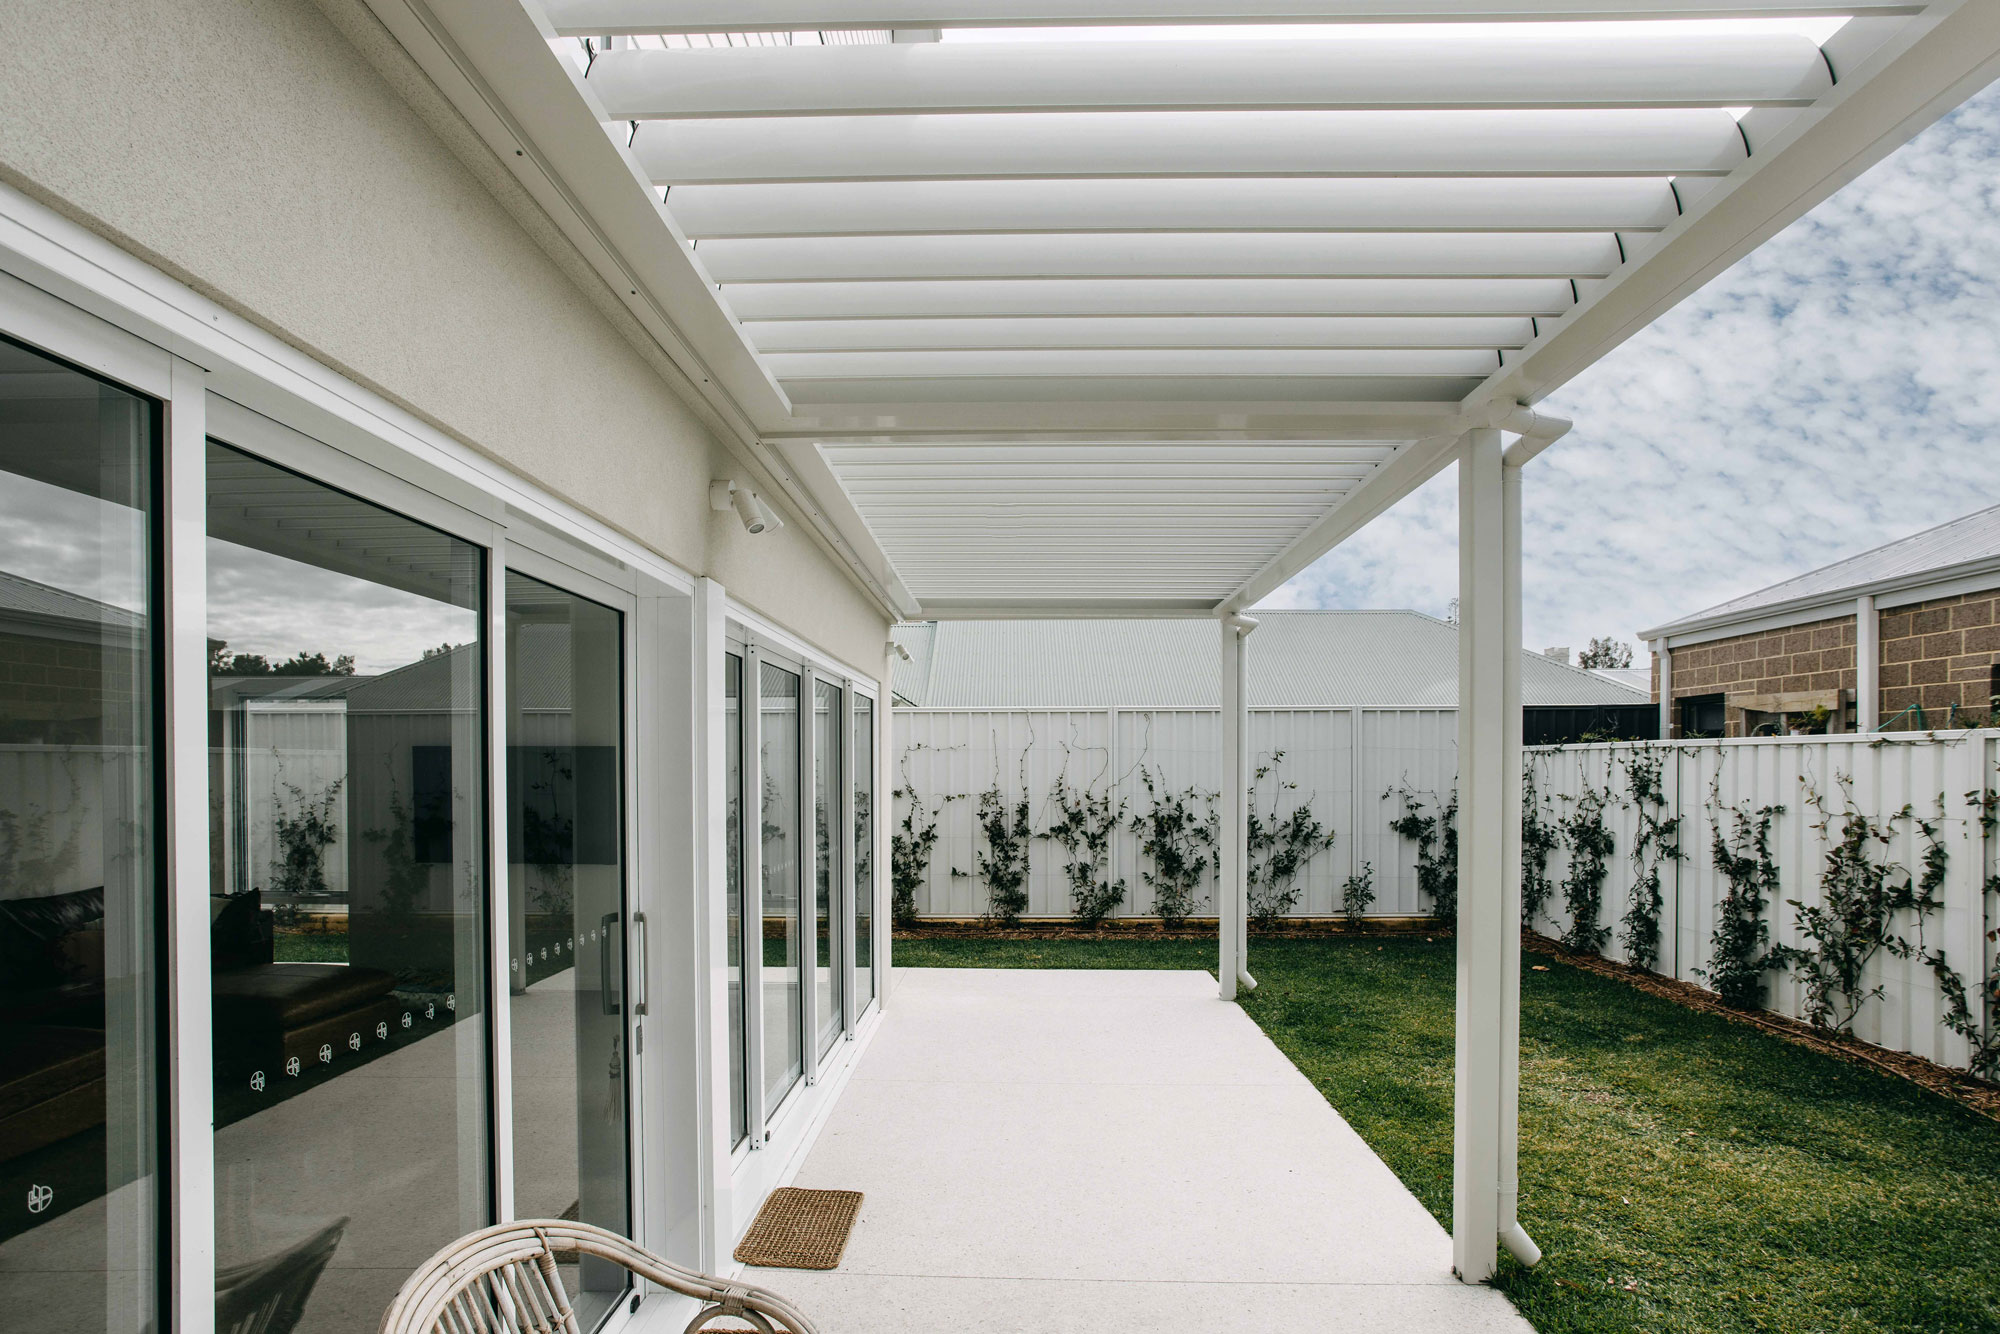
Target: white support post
1485 934
1666 660
1229 861
1867 665
1232 863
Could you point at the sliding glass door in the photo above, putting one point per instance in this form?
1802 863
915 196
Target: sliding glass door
348 851
827 955
864 852
783 956
79 898
568 919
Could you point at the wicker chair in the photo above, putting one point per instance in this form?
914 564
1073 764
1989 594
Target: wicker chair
502 1280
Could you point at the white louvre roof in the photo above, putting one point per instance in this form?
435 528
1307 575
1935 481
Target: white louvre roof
1301 659
1136 312
1969 545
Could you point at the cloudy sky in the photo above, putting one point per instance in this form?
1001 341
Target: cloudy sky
1837 389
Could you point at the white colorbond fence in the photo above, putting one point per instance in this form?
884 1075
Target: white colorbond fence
1937 775
955 753
959 752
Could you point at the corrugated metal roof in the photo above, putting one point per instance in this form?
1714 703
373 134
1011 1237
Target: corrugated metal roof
1303 659
1968 540
32 598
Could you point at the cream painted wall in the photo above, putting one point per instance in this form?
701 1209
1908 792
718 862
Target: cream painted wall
252 150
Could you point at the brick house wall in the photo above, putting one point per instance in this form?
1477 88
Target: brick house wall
1815 657
1939 654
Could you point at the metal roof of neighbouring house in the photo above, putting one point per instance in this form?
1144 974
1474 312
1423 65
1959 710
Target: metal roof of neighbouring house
1964 546
1298 659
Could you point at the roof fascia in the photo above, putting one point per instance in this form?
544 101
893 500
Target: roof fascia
1949 581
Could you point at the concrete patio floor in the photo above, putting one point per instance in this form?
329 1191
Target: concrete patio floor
1110 1151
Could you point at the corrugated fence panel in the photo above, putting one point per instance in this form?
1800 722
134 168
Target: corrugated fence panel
1181 749
1413 749
1815 780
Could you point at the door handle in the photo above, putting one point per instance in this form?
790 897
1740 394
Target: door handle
639 984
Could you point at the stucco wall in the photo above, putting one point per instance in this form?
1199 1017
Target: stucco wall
253 152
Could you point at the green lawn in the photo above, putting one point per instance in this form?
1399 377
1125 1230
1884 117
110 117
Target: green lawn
1681 1173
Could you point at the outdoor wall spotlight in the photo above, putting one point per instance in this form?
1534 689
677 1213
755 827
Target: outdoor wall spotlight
725 494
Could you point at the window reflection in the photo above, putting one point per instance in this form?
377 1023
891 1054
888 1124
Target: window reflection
348 755
732 731
783 957
826 872
567 917
78 1002
864 852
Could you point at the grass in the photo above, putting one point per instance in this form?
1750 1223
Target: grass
1681 1173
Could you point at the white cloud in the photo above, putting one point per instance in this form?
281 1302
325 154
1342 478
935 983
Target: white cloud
1837 389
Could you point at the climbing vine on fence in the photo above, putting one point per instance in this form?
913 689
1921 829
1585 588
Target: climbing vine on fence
1004 863
912 843
1655 842
1737 960
1589 841
1977 1022
1436 837
1177 833
1539 837
1084 825
1861 897
1280 847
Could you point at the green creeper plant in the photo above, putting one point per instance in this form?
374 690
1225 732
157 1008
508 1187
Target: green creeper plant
1280 846
1357 893
1590 846
1084 826
1177 839
1436 837
1655 843
1737 960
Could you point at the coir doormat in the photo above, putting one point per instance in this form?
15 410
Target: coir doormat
801 1229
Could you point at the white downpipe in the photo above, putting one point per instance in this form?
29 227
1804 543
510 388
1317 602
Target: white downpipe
1537 430
1664 655
1867 665
1512 1236
1232 862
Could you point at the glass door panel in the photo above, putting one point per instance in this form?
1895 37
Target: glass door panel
732 731
347 828
864 852
783 1016
826 866
567 919
79 1095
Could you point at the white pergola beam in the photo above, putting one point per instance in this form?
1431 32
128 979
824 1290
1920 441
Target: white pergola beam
1488 71
1166 297
1165 255
791 367
1040 145
1080 332
1137 205
585 18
